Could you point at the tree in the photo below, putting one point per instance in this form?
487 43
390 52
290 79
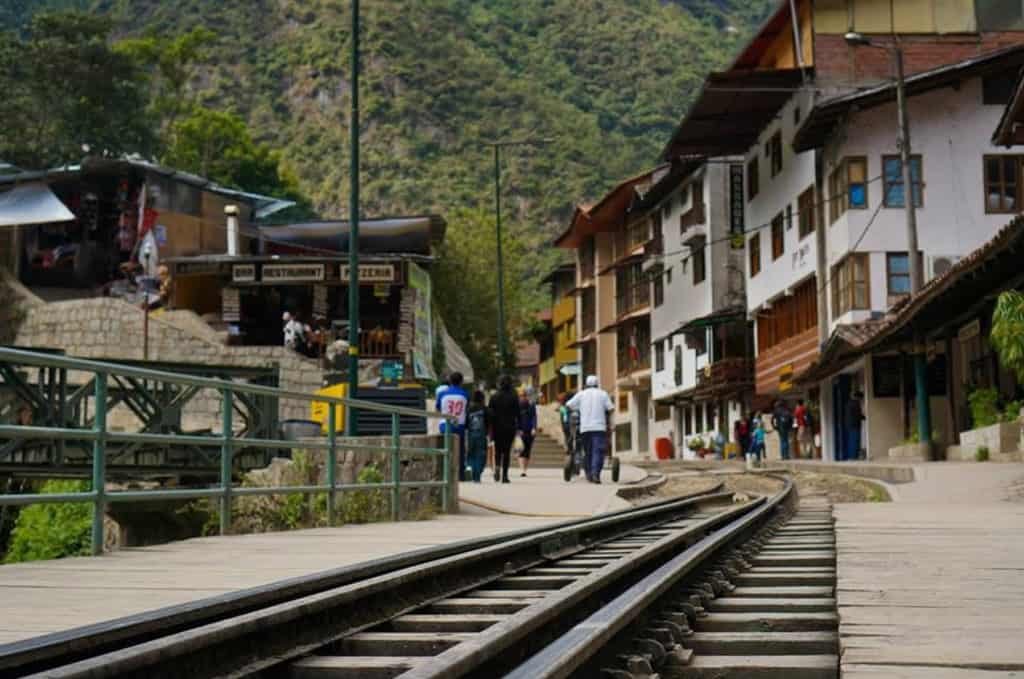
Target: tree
67 93
465 287
52 531
1007 336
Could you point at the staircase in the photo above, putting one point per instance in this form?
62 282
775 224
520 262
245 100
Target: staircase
547 452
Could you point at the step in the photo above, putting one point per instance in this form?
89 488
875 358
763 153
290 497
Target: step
352 667
760 667
422 622
736 604
768 622
401 643
763 643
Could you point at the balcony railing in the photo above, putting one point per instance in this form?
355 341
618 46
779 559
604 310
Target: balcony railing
633 348
726 373
378 343
634 297
695 215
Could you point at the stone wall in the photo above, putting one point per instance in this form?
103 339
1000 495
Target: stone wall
110 329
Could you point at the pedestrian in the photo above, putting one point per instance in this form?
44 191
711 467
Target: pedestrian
757 440
527 430
478 424
782 422
594 407
854 417
504 411
741 430
804 429
453 401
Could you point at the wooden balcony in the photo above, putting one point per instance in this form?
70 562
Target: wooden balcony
725 375
378 342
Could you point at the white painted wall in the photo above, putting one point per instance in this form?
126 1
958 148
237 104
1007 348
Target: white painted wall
950 129
775 193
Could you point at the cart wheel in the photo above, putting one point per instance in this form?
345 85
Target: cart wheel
568 471
615 470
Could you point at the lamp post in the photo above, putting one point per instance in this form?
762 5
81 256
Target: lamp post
924 416
352 428
497 145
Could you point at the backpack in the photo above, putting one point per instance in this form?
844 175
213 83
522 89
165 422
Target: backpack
476 423
809 419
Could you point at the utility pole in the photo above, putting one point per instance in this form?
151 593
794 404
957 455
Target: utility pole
352 427
503 356
924 411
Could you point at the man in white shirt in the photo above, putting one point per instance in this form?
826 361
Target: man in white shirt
594 407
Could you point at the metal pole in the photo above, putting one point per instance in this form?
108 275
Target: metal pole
99 464
332 461
924 415
502 349
445 467
352 428
396 443
225 462
145 330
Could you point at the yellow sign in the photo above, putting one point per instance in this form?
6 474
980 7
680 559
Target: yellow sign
318 411
786 377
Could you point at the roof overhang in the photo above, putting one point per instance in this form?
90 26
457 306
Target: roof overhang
33 203
820 123
1010 130
732 110
606 215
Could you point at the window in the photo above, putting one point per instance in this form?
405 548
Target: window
752 178
687 421
789 316
897 273
789 216
709 416
1000 15
892 178
778 237
623 403
699 264
805 206
659 288
698 418
624 436
659 355
850 284
1002 183
775 151
754 248
668 276
848 187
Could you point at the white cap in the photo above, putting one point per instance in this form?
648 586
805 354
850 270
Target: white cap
591 380
286 316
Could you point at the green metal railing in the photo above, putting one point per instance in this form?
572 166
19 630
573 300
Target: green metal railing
99 435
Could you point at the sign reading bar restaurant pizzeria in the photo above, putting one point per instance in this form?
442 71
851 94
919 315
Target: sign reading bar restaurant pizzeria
370 273
292 273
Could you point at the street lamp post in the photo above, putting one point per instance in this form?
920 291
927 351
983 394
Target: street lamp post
352 428
924 415
497 145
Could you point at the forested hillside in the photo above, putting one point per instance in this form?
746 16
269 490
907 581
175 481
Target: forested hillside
606 79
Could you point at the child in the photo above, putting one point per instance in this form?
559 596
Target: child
477 424
757 445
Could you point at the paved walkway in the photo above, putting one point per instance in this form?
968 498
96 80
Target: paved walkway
931 584
544 493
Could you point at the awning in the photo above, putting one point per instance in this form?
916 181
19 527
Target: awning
32 203
571 369
716 318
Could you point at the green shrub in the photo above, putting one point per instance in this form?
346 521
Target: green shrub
52 531
1011 413
984 404
364 506
981 454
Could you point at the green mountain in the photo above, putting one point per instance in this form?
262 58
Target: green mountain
606 80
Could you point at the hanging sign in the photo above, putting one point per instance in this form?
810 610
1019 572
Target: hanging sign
786 377
230 305
292 273
370 273
736 217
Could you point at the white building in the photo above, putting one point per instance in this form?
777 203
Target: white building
701 370
966 190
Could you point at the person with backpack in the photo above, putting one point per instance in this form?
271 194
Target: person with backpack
477 426
782 422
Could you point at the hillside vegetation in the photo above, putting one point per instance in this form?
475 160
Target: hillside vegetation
605 79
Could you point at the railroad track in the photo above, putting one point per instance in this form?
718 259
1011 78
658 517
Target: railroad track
690 587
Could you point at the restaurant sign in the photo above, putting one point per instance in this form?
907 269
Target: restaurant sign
243 273
293 273
370 273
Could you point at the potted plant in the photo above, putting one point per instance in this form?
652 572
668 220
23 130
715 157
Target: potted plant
912 449
696 445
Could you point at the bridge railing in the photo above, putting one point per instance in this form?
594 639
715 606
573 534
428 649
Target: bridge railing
100 434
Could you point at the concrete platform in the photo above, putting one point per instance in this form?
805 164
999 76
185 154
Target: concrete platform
930 585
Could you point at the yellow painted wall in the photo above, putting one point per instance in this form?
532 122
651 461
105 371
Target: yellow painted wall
547 372
564 310
908 16
565 335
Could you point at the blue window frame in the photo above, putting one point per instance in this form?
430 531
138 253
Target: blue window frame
892 179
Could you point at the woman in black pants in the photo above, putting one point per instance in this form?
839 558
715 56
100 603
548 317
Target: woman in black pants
504 407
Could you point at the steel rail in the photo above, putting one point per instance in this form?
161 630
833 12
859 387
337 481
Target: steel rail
573 649
65 648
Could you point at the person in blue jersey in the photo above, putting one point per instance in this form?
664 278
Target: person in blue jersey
454 402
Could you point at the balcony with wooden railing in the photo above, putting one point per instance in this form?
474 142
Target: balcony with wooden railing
633 348
725 375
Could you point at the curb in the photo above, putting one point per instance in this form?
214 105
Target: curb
642 487
509 512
